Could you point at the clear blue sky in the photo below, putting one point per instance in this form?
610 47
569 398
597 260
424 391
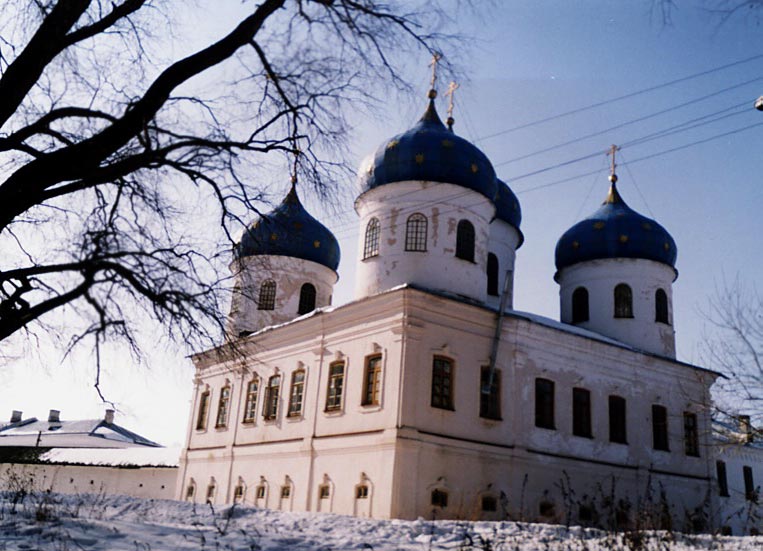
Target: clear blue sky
528 61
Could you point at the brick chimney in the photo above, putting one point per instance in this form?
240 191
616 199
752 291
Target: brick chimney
109 417
745 427
54 416
15 416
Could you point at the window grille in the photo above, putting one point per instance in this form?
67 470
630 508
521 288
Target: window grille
267 295
416 233
371 244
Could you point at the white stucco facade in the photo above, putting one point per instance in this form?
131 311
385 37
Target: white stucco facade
644 278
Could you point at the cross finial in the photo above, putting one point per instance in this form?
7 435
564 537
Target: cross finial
451 93
612 176
436 57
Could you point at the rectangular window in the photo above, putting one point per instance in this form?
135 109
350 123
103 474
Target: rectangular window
201 420
270 407
324 491
250 404
372 381
691 435
490 393
749 484
442 383
297 393
660 428
222 407
336 384
723 483
439 498
544 404
285 492
361 492
238 493
581 412
260 492
617 425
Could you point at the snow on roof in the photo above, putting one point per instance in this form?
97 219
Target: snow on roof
124 457
88 433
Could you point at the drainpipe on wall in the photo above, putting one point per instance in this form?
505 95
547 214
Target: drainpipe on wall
194 405
497 336
316 411
235 420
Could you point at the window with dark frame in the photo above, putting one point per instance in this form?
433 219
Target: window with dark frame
623 301
492 275
238 493
749 484
307 294
691 434
442 383
490 402
416 233
324 491
250 401
296 393
581 412
335 386
723 482
270 407
371 243
285 492
267 300
439 498
489 504
361 492
372 381
211 492
465 240
580 311
660 428
201 419
617 420
222 407
544 404
661 306
260 492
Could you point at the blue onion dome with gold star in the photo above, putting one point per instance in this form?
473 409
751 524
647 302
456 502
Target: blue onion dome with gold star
615 231
431 152
507 207
289 230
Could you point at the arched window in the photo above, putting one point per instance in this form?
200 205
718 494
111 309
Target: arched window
416 233
623 301
580 305
465 240
267 295
492 275
661 306
371 245
306 299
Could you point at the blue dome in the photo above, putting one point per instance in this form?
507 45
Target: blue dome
289 230
507 207
615 231
430 152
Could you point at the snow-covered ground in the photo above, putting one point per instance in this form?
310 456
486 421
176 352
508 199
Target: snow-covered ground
113 523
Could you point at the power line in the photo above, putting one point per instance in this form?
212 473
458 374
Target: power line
619 98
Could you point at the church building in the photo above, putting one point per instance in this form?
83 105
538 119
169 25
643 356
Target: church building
428 395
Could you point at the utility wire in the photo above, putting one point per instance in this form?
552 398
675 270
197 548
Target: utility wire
619 98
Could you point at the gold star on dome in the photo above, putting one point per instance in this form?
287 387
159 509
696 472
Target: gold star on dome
447 143
623 238
475 168
316 244
667 246
273 237
419 158
598 225
646 226
575 245
393 144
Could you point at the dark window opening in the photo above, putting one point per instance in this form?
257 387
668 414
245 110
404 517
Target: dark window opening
465 240
544 404
490 401
547 509
580 305
661 306
270 409
336 386
201 420
492 275
660 428
372 381
267 299
285 492
442 383
623 301
416 233
585 513
723 482
439 498
489 504
581 412
260 492
361 492
749 485
307 296
371 244
617 423
691 434
324 491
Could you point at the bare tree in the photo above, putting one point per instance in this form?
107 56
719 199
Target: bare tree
108 145
735 348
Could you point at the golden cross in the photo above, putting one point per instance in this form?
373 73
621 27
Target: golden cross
436 56
451 93
612 150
